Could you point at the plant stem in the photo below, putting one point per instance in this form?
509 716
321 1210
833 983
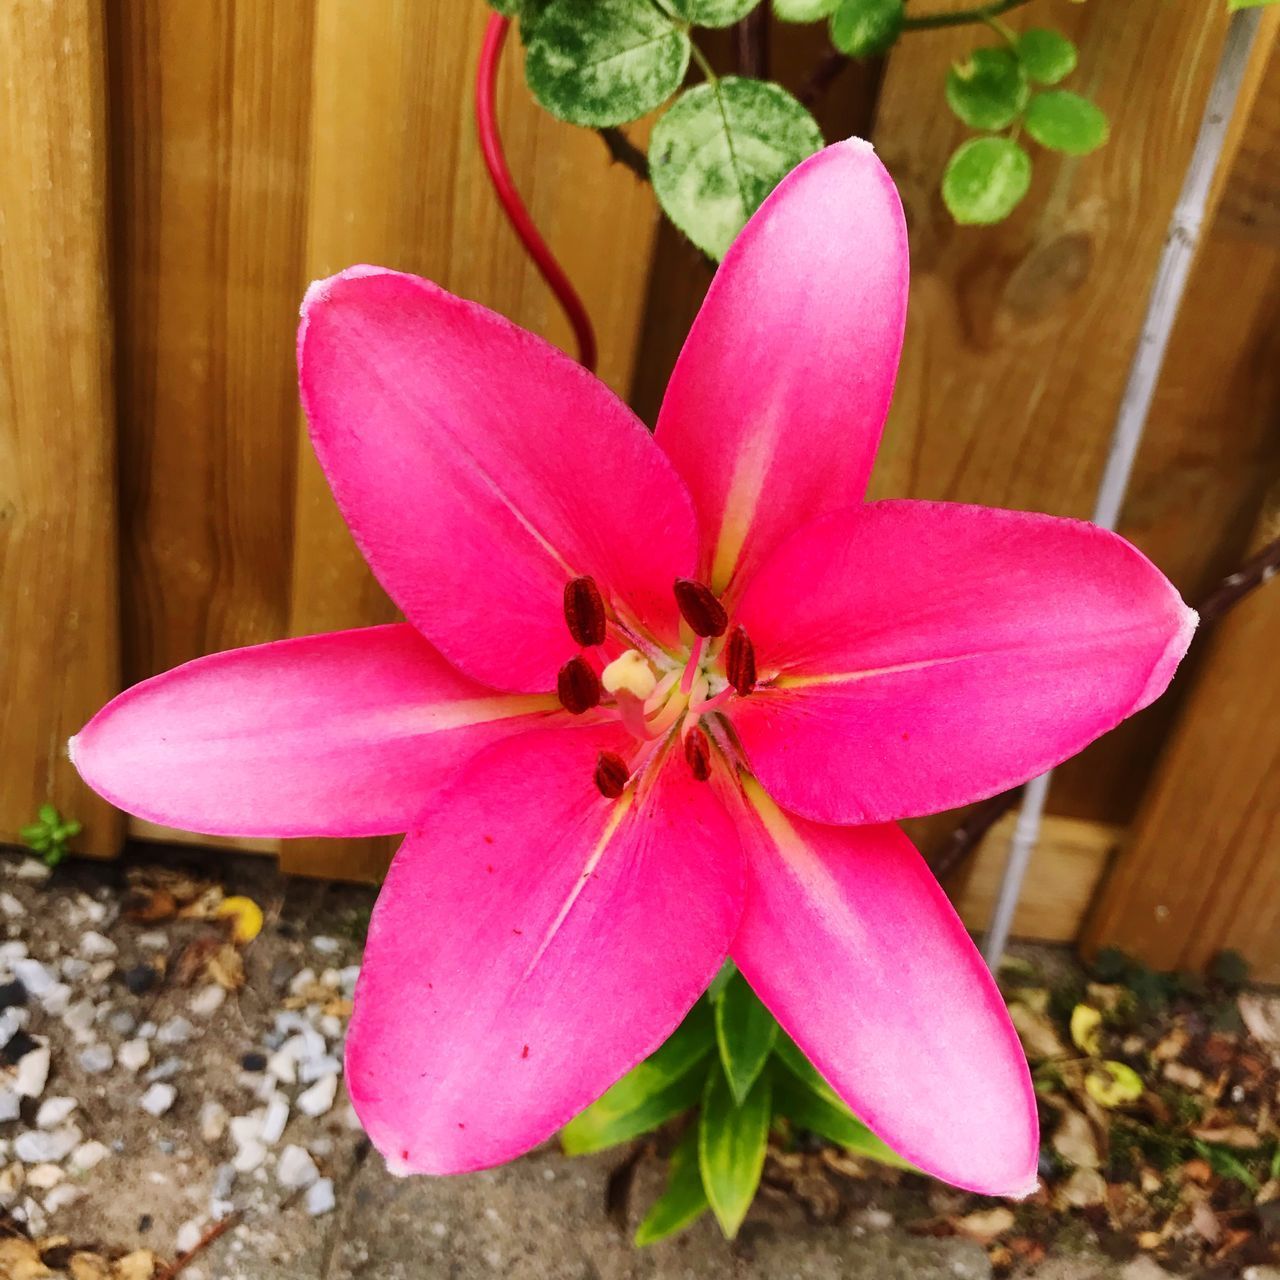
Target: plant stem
961 17
703 65
625 152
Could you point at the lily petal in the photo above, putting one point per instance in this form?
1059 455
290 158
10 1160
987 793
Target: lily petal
923 655
480 469
533 941
345 734
849 941
775 408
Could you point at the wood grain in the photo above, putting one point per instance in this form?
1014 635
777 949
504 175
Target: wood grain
59 632
1019 337
1201 870
397 179
210 162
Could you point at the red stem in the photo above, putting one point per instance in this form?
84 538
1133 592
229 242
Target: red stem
513 206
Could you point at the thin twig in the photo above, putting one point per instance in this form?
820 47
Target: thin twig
179 1264
1256 572
961 17
753 44
625 152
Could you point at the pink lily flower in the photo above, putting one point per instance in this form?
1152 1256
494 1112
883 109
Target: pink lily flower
659 700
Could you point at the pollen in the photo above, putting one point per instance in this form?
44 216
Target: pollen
630 671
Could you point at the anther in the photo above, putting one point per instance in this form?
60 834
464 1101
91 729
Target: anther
700 608
584 611
611 774
578 686
740 661
697 753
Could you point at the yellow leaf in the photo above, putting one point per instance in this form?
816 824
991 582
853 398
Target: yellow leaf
139 1265
1112 1084
246 917
1086 1022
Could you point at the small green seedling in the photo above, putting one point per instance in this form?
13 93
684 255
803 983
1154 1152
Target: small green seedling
47 837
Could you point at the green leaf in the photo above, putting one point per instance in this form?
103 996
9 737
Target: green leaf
731 1147
48 815
662 1086
604 62
863 28
803 10
721 981
720 149
1046 56
802 1094
1233 5
1113 1084
745 1032
985 179
1064 121
713 13
988 90
53 856
684 1201
32 831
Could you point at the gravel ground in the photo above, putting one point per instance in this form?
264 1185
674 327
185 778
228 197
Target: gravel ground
138 1111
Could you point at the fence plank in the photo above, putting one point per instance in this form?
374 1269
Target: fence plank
59 657
1201 870
397 179
211 106
1019 337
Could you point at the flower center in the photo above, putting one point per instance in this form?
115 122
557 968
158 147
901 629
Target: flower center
657 695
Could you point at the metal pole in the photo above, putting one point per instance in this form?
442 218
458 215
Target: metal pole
1170 284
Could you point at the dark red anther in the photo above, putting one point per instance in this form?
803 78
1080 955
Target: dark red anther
697 753
611 774
740 661
584 611
700 608
578 686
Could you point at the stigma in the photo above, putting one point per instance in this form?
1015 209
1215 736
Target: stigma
666 697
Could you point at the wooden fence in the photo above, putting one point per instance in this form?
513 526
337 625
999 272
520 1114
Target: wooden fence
175 171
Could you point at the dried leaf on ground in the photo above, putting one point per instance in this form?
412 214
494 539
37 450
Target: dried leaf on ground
205 907
1083 1188
1075 1141
985 1225
1040 1040
89 1266
140 1265
1113 1084
195 958
152 903
226 968
245 916
1086 1029
20 1260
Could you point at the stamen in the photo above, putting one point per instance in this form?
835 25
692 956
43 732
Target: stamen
697 753
658 697
691 667
630 672
700 608
578 686
740 661
611 774
584 611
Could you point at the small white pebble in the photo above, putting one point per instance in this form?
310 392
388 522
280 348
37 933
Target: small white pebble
207 1001
213 1121
95 946
320 1197
158 1098
274 1119
134 1055
295 1168
155 940
37 979
326 946
319 1098
44 1177
176 1031
53 1111
61 1196
97 1059
283 1066
11 906
33 1073
89 1155
35 1146
188 1236
249 1157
